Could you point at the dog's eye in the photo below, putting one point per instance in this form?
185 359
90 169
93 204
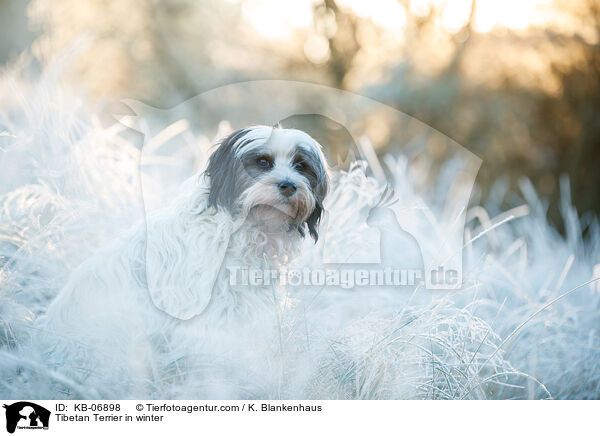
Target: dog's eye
300 165
263 162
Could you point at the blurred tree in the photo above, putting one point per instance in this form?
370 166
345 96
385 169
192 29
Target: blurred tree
16 35
521 122
524 95
343 43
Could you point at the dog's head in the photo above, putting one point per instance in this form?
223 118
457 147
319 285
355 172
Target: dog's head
274 174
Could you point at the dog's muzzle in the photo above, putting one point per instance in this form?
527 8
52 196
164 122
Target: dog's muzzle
287 188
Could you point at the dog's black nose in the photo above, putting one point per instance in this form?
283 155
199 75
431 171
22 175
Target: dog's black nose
287 189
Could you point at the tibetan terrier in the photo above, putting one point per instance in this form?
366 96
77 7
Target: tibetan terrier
165 284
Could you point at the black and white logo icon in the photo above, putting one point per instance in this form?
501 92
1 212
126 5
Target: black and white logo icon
26 415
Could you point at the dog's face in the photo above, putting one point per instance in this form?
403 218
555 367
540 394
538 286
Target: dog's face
274 175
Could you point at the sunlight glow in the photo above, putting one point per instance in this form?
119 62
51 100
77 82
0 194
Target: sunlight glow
316 49
513 14
278 19
490 14
455 15
275 19
389 14
420 8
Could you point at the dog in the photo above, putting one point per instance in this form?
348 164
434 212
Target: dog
165 283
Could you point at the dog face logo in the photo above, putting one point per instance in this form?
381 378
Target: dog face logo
26 415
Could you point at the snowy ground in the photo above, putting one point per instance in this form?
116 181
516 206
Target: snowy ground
525 325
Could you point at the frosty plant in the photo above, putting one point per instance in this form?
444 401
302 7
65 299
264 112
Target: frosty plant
524 326
401 223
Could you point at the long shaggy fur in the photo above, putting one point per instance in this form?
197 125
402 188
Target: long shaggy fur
168 277
68 186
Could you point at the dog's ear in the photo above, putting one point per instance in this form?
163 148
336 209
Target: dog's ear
223 170
313 222
320 189
184 254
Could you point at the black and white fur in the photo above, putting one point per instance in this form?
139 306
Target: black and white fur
165 284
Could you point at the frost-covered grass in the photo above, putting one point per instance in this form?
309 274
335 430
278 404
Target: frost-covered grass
526 324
